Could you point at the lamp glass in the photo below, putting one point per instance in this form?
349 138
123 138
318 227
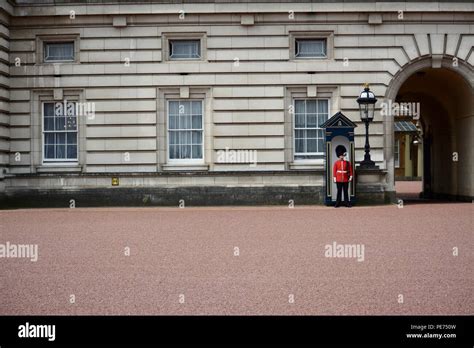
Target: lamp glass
367 102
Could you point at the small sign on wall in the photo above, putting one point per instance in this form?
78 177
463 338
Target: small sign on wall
115 182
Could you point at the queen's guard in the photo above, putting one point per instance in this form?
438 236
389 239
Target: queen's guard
342 173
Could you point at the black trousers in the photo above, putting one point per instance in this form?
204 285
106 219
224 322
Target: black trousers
340 187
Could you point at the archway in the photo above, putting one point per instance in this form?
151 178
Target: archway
437 147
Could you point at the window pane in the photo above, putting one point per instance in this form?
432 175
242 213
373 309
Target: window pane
299 106
197 137
72 151
58 51
173 138
182 49
300 121
49 123
71 123
189 137
312 120
185 122
60 151
60 123
48 109
320 145
322 106
49 138
299 145
61 138
189 122
49 151
172 149
71 138
311 133
173 122
185 108
197 107
311 145
197 122
186 151
323 111
311 48
173 108
197 151
70 109
311 106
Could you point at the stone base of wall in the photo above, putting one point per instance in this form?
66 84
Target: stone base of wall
143 197
376 197
168 189
191 196
371 187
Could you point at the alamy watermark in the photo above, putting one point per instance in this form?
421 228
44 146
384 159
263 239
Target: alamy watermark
391 108
345 251
29 251
37 331
237 156
68 108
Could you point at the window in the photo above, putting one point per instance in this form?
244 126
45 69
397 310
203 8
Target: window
312 44
58 48
185 49
185 130
59 132
58 51
183 46
396 154
311 48
308 135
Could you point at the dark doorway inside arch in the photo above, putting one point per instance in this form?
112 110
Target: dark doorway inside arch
434 146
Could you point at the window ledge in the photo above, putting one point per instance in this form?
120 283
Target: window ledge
310 58
185 167
59 168
307 165
184 60
57 62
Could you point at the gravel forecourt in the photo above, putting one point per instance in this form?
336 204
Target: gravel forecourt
240 260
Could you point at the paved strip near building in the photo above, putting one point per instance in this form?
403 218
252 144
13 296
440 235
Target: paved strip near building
184 261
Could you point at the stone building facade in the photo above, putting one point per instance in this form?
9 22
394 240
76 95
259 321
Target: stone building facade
154 102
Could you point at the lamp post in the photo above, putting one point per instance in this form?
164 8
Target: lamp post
366 103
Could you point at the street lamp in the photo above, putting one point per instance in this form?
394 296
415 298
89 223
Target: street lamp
367 102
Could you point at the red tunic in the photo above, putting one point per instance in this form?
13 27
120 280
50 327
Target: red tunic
342 170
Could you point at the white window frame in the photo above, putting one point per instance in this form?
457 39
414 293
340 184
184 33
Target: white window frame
184 160
314 39
45 43
184 36
396 153
295 154
170 44
43 132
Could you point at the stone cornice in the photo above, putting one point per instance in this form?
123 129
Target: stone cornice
107 7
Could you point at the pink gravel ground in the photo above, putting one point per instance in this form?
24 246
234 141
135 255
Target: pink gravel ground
190 252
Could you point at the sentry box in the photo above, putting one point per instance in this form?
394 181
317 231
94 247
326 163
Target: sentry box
339 130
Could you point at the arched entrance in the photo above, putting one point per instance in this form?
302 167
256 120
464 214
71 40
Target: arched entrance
437 144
